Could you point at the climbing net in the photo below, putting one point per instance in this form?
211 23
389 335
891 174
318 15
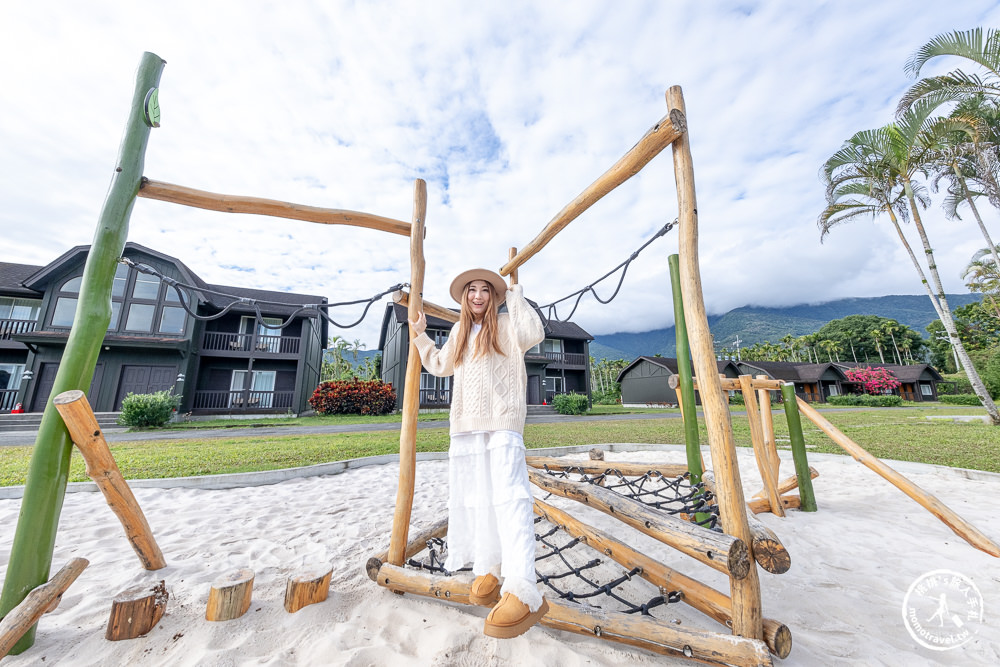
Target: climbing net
569 569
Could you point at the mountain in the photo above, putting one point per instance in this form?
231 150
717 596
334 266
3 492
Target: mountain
755 324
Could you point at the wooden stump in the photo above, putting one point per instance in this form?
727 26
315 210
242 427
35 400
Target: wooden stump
136 611
306 588
230 596
596 454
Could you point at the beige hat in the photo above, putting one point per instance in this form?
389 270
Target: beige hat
492 277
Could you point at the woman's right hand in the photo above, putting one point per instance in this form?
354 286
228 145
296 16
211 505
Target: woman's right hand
420 325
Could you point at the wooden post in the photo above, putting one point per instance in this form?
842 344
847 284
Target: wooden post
230 596
103 469
24 616
686 390
513 274
928 501
798 441
211 201
48 472
745 592
136 611
307 588
759 447
767 425
411 385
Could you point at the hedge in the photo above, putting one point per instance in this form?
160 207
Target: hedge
960 399
867 400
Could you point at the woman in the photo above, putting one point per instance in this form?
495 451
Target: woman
490 520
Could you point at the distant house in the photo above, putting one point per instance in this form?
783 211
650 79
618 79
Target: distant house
645 381
813 382
557 365
918 382
233 363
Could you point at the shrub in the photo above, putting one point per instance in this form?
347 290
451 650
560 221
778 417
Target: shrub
353 397
148 410
960 399
570 404
961 384
867 400
737 399
612 396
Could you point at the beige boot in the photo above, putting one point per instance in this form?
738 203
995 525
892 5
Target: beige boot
485 590
511 617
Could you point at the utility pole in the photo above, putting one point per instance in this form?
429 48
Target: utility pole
737 343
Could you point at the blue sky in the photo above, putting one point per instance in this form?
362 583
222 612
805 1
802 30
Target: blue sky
508 110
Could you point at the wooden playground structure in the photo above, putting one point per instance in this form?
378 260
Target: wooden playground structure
746 636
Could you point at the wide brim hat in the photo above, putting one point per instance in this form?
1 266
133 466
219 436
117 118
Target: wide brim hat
466 277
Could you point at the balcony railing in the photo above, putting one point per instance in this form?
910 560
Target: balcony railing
243 400
11 327
565 358
7 399
435 397
243 342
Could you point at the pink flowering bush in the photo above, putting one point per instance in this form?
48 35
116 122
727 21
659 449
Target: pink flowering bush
874 381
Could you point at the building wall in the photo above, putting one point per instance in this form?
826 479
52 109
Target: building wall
646 383
394 359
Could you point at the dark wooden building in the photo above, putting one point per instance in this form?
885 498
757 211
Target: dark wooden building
557 365
918 382
233 363
645 381
813 382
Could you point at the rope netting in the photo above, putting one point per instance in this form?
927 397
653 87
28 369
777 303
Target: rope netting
571 570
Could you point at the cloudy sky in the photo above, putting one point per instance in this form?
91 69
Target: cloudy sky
507 109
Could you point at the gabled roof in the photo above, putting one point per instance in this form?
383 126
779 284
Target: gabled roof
13 276
791 371
725 367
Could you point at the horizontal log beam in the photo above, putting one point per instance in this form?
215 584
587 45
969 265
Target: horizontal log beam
644 632
413 547
761 505
658 137
705 599
669 470
790 483
40 600
211 201
731 384
719 551
403 298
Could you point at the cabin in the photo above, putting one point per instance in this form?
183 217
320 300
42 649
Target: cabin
645 381
223 349
813 382
918 382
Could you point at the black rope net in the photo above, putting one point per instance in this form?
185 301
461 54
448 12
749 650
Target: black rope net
572 571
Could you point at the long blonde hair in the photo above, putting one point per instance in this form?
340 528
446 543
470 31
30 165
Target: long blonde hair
488 338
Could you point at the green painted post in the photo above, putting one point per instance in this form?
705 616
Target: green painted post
686 388
807 500
48 472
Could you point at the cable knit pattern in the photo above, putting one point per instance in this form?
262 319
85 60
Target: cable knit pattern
488 393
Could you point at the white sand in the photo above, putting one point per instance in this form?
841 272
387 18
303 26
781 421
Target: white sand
852 563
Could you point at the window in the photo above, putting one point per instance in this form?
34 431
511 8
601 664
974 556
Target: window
64 311
554 384
19 309
172 295
434 389
261 389
10 375
926 389
548 345
146 287
140 317
172 320
72 286
121 278
439 336
116 312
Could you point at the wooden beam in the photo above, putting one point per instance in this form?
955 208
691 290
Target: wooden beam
83 429
928 501
39 600
732 384
722 552
411 386
745 592
413 547
510 256
669 470
789 483
765 546
761 505
403 298
658 137
211 201
759 447
645 632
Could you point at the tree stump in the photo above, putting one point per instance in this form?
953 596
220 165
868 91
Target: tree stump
596 454
230 596
307 588
136 611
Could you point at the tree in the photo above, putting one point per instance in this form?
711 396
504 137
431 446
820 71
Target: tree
865 333
956 85
983 276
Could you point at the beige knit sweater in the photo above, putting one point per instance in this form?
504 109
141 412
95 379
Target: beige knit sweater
488 392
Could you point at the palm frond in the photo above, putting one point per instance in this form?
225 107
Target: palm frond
964 44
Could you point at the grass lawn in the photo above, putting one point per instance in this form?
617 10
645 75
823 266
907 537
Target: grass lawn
892 433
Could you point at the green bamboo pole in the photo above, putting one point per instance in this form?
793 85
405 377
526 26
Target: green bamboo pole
48 472
807 500
686 388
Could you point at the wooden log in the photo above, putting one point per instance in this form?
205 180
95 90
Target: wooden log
510 257
230 596
767 426
136 611
649 146
635 630
36 603
722 552
403 298
669 470
745 592
760 505
928 501
306 588
759 447
765 546
789 483
413 547
411 390
75 410
704 598
178 194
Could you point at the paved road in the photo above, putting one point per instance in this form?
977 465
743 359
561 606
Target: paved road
15 438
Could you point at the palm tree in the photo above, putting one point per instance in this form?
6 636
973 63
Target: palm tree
983 275
955 85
